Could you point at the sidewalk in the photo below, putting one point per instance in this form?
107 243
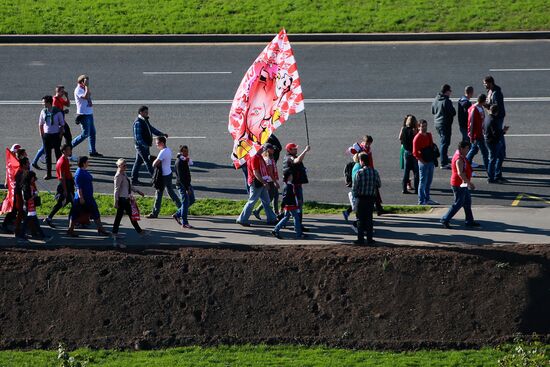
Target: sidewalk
499 225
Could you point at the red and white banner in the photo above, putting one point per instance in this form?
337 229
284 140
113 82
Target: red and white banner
269 92
12 165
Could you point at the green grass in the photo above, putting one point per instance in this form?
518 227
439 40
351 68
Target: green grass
208 206
263 16
261 356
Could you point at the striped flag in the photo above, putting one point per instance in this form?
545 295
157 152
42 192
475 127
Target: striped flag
269 93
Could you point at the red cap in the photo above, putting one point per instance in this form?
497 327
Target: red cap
15 148
290 146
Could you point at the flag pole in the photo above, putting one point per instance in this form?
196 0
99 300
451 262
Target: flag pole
307 131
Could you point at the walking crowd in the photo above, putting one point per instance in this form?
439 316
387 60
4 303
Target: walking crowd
481 127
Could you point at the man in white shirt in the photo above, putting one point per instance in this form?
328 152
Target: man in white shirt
85 115
163 163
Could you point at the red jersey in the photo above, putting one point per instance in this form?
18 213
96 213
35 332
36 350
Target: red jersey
60 102
256 163
63 166
420 142
456 180
475 122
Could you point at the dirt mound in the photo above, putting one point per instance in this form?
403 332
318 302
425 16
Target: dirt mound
345 296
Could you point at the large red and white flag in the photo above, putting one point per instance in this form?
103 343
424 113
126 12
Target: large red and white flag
268 94
12 165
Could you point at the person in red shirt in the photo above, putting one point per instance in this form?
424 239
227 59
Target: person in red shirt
61 102
65 187
461 185
476 117
423 151
258 180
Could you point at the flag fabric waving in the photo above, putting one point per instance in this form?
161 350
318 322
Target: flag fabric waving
12 165
269 93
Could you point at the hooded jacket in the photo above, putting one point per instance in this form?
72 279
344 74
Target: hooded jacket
443 110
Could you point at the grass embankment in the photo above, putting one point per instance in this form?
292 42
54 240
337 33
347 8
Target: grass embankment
263 16
263 356
207 206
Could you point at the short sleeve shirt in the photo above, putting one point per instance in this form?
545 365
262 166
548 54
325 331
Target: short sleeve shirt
51 123
165 156
63 166
83 105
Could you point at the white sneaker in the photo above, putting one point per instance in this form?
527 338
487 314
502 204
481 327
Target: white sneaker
43 159
73 158
474 165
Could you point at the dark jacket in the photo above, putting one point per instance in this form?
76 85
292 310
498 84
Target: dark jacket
493 131
299 172
183 174
143 132
443 110
462 107
290 201
277 145
498 98
157 180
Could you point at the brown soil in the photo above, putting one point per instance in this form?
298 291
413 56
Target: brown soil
398 298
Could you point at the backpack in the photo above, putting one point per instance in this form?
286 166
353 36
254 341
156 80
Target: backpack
347 173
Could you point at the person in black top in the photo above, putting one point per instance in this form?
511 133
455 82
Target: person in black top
294 163
183 183
463 106
143 139
406 136
494 133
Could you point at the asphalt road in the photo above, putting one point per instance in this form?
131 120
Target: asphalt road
350 90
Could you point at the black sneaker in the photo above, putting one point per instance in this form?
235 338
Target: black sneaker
446 225
177 219
305 229
96 154
243 224
151 216
473 224
36 166
257 214
276 234
48 221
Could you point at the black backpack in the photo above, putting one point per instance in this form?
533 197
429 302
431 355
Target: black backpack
347 173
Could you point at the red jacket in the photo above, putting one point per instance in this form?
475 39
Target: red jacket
475 123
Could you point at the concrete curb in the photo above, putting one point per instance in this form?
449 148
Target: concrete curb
263 38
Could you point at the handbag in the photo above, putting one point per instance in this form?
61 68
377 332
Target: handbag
135 210
37 201
78 119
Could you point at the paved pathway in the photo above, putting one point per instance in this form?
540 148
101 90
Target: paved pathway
500 225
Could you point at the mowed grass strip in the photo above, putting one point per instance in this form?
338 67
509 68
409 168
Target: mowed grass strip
207 206
260 356
263 16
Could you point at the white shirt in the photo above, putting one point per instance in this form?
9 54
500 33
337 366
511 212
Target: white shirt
83 105
165 156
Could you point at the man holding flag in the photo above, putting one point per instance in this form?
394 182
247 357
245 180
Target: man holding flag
269 93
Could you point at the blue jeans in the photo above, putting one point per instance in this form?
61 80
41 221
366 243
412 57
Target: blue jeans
297 224
255 194
426 171
158 196
39 154
464 132
444 142
462 200
496 157
187 199
477 145
142 156
88 130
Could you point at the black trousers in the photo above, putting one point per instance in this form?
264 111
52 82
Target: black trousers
67 136
364 209
124 207
51 141
61 198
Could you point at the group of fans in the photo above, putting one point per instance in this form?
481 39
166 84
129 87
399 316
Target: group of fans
481 126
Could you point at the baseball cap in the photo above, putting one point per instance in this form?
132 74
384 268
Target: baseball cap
290 146
15 148
82 77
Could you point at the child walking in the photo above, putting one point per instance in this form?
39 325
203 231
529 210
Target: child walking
290 206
